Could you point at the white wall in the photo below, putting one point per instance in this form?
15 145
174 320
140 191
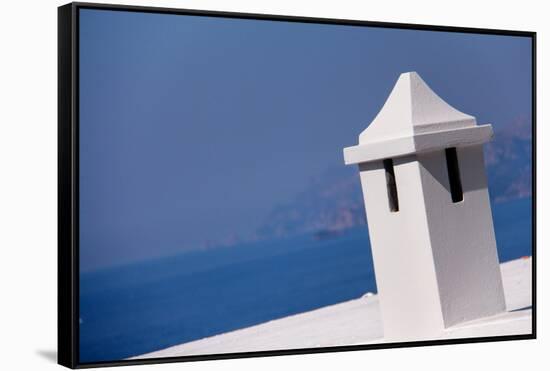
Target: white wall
28 181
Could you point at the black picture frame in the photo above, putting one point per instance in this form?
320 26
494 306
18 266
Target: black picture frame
68 181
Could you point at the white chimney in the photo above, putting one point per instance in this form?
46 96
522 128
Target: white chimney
429 216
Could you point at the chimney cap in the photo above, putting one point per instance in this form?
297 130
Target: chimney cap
415 119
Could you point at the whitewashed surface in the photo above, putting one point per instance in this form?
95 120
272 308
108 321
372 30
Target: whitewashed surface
358 322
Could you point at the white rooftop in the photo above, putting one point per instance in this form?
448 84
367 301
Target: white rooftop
415 119
358 321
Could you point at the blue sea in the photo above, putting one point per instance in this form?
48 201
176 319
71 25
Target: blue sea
130 310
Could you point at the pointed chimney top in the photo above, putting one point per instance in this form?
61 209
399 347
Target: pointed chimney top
413 108
415 119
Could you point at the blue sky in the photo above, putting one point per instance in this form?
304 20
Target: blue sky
193 128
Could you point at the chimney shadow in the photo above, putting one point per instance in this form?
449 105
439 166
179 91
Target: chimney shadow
466 172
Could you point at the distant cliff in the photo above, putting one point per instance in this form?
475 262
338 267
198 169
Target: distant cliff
509 162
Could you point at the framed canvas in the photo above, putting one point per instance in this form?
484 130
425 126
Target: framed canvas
240 185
